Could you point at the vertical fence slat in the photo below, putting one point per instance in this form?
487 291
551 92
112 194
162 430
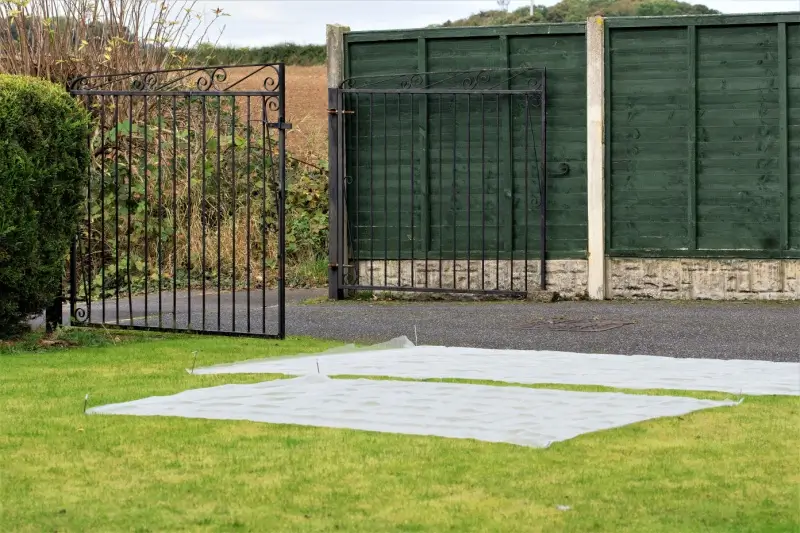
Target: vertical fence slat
507 181
607 122
691 51
783 113
425 205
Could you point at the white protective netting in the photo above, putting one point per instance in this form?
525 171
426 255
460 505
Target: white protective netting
516 415
400 358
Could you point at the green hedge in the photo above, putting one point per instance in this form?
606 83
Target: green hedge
289 53
43 162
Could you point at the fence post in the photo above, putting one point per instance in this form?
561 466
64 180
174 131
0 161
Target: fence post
595 140
335 62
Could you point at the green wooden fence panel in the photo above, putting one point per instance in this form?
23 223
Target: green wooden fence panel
402 175
703 137
702 141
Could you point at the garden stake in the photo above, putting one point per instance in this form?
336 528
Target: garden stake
194 361
85 402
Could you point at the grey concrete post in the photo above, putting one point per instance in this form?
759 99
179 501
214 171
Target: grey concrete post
337 252
595 139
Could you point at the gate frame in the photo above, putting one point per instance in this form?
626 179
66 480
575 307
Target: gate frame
146 84
416 83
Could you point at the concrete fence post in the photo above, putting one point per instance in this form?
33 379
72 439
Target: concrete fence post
595 140
336 244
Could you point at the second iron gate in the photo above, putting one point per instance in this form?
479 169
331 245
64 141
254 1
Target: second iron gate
185 219
438 182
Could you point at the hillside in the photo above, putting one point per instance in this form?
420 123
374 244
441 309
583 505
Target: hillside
580 10
564 11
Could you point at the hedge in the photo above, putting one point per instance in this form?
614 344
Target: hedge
43 163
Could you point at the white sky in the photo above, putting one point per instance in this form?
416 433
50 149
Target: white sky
266 22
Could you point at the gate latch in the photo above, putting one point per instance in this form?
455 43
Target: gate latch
280 125
334 111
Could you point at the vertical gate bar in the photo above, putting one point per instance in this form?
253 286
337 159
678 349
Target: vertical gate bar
342 252
219 214
423 174
146 209
783 135
371 194
233 213
334 205
174 212
483 192
281 206
160 217
103 207
543 193
498 211
116 205
441 192
469 189
249 222
128 231
455 188
506 136
203 213
385 194
413 175
189 211
355 120
264 117
527 103
692 137
89 276
73 277
399 190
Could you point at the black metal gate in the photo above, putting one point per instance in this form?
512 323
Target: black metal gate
185 220
438 182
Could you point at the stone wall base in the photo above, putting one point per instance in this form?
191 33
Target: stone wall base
566 277
667 279
711 279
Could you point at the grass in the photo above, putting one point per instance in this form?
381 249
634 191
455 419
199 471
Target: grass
724 470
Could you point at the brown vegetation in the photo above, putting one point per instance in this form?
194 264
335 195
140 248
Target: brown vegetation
306 109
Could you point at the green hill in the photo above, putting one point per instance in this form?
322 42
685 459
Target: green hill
564 11
580 10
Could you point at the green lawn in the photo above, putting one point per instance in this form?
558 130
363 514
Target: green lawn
725 470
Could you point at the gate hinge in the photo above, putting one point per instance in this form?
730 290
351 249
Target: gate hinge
280 125
334 111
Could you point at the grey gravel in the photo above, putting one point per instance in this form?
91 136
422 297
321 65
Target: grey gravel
701 329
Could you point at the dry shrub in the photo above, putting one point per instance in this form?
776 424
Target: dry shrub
62 39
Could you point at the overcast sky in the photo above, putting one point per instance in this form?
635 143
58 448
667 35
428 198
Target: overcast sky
265 22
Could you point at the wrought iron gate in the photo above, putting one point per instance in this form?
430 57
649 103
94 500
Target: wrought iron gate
438 182
185 219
